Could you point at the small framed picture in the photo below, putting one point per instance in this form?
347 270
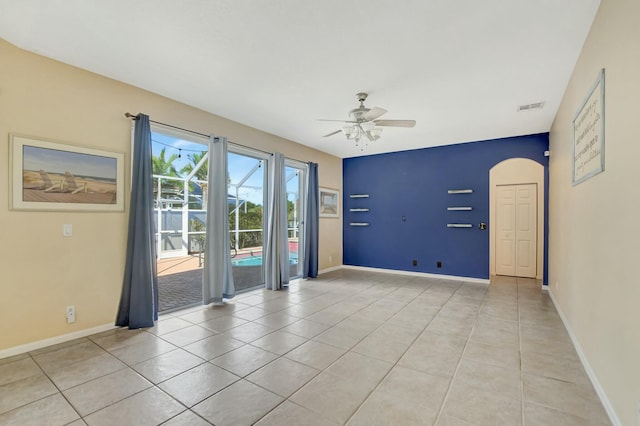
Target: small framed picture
329 202
53 176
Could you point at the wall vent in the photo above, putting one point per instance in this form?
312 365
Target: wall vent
527 107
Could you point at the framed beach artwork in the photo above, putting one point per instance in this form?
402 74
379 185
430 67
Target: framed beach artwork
329 203
53 176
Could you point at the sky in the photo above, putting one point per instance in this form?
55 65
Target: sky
239 166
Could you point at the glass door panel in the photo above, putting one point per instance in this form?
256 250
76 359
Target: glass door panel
179 185
168 216
246 200
295 214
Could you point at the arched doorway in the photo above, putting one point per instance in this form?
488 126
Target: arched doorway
513 177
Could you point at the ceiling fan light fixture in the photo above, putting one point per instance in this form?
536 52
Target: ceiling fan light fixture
364 123
349 131
368 126
376 132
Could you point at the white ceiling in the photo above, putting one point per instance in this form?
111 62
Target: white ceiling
459 68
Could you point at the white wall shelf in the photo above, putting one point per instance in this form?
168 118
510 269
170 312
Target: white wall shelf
459 225
359 224
460 191
359 210
358 195
459 208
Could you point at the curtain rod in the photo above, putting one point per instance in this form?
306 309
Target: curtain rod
135 117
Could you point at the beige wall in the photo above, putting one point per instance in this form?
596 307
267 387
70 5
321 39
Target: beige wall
40 271
594 231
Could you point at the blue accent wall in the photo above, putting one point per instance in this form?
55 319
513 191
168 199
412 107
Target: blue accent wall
408 203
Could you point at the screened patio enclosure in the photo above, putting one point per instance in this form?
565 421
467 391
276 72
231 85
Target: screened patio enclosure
180 218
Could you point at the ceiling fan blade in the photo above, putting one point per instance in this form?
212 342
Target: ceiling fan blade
374 113
395 123
332 133
339 121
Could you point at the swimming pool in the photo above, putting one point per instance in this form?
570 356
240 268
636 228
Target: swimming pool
257 260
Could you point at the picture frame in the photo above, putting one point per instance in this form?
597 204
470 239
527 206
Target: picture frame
329 201
587 147
47 175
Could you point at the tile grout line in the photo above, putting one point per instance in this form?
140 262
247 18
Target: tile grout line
81 417
403 353
522 293
58 391
522 405
153 385
409 347
464 349
354 345
157 385
283 356
337 359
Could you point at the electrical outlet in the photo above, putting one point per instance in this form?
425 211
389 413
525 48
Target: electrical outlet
439 264
71 314
415 262
556 285
330 259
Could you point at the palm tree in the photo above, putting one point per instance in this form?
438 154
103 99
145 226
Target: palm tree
194 159
201 174
164 167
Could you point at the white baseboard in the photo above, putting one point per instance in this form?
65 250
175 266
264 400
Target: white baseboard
28 347
419 274
333 268
587 367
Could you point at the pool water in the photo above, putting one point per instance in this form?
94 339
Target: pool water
257 260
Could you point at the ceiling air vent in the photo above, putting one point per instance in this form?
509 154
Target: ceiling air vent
527 107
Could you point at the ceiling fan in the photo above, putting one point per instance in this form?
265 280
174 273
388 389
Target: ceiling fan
364 122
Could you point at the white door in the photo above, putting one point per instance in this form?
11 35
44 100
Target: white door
516 245
505 230
526 230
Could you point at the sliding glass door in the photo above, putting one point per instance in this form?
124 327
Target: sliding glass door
295 178
180 189
246 201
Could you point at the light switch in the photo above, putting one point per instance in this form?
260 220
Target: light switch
67 230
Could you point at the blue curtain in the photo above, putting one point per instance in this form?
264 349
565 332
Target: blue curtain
139 300
276 259
310 265
217 277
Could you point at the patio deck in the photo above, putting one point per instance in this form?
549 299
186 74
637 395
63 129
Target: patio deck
180 278
179 283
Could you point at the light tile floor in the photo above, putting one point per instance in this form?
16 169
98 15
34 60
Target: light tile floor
351 347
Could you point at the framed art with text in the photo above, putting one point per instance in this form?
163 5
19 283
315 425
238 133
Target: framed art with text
588 134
